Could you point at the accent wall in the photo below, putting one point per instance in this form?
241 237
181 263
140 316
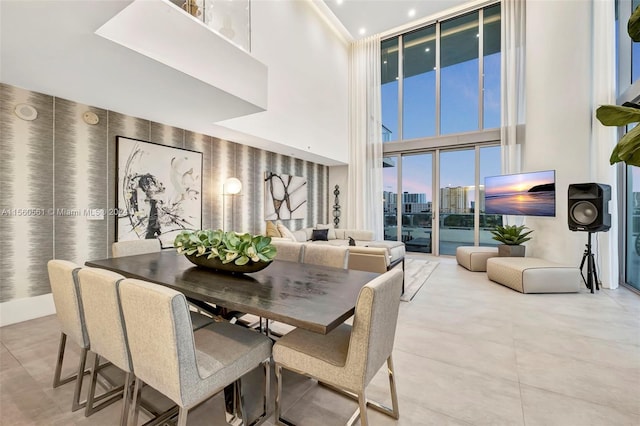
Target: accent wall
58 165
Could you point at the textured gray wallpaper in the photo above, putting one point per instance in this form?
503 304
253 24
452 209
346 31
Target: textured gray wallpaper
58 165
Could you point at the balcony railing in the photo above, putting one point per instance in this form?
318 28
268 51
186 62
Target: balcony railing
231 19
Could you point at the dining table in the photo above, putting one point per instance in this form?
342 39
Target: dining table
312 297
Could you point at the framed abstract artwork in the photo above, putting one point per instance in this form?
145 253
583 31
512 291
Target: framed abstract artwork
285 197
159 191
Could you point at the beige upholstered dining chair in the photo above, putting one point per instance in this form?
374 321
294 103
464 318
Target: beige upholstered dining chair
326 255
63 276
133 247
103 319
187 369
288 250
349 356
66 298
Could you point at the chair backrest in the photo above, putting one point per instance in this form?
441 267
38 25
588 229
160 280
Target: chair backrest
66 297
288 250
133 247
374 324
103 316
160 337
326 255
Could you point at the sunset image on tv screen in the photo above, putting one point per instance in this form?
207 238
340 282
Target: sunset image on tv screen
528 194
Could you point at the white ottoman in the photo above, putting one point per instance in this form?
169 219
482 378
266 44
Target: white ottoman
475 258
532 275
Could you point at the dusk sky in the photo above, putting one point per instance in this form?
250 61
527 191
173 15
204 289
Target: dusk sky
508 184
459 97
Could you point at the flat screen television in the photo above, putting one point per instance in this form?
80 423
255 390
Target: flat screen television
524 194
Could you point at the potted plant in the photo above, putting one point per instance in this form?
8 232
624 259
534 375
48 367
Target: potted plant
511 237
226 251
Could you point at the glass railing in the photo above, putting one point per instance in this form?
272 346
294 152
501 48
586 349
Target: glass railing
231 19
455 229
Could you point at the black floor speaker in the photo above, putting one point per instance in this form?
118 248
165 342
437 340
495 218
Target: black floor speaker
589 207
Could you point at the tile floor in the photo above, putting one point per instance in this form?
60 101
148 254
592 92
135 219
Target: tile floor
467 352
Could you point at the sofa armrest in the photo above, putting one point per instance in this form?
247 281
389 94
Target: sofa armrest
371 259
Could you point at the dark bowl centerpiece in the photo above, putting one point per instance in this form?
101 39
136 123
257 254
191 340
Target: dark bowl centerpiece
226 251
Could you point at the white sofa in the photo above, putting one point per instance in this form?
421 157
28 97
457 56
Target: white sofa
367 255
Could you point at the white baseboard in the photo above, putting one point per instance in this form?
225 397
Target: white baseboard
19 310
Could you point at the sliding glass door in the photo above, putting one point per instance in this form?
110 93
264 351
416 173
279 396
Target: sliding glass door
434 200
417 202
457 199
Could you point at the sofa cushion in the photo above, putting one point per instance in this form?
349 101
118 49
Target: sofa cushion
285 232
331 235
272 230
319 235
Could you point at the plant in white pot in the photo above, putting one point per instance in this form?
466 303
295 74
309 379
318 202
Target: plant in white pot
511 237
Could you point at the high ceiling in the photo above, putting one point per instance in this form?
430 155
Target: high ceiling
378 16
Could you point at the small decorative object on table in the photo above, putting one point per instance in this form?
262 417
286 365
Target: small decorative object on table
511 236
226 251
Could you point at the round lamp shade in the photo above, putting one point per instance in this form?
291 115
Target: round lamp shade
232 186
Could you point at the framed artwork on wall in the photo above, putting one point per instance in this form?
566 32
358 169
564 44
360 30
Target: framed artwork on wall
158 192
285 197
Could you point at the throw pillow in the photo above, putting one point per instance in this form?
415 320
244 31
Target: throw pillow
319 235
285 233
352 242
331 235
272 230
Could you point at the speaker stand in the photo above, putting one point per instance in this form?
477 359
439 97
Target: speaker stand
592 275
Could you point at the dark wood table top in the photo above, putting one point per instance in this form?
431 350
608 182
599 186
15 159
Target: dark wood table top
316 298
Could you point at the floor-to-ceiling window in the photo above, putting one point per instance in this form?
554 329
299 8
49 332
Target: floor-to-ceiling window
440 117
632 241
628 62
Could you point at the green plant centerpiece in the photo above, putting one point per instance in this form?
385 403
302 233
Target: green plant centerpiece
511 237
226 251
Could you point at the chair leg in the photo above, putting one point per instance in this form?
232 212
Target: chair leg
57 381
278 369
182 416
56 376
111 395
267 387
362 401
392 388
126 400
76 404
135 403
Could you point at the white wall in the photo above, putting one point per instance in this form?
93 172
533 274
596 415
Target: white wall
308 80
558 120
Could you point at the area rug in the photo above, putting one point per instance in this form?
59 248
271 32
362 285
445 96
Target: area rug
416 274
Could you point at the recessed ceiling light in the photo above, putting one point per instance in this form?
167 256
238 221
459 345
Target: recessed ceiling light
362 31
384 62
427 49
339 1
412 13
477 35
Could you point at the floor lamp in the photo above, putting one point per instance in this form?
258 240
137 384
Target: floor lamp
231 186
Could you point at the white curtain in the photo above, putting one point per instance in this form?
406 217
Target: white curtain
512 90
365 138
604 138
